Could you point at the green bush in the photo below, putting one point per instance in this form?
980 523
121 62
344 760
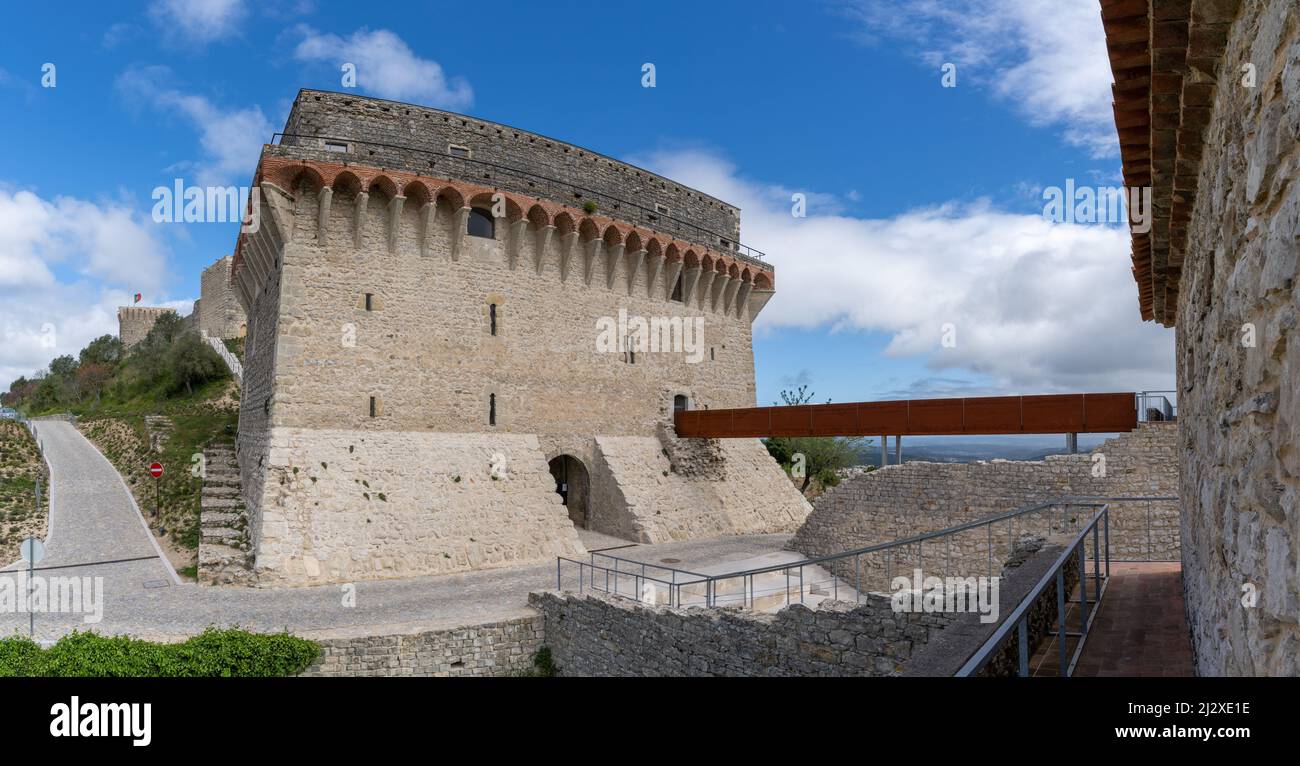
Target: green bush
215 652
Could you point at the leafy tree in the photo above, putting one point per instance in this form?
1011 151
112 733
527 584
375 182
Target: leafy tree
822 455
92 377
191 362
106 349
63 366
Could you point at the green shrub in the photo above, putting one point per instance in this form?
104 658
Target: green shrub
544 663
215 652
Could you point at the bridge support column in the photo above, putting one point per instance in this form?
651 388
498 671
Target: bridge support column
1071 444
898 449
884 451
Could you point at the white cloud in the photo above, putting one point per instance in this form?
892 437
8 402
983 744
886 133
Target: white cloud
385 66
1045 57
65 266
1036 305
198 21
232 139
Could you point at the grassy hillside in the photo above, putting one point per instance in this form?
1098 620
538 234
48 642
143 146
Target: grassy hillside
20 468
164 400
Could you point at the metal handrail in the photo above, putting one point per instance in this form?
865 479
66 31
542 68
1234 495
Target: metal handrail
1167 407
742 250
1019 616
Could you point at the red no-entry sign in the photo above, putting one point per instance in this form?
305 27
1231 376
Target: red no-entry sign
156 470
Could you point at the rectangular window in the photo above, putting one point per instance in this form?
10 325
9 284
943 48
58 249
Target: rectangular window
661 209
370 301
456 150
373 408
492 409
492 317
335 146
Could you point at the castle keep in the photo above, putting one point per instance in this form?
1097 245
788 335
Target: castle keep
429 379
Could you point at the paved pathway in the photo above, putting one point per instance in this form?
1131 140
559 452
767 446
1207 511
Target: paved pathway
93 520
1141 629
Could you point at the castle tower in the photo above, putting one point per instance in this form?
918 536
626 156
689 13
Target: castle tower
219 312
135 322
466 343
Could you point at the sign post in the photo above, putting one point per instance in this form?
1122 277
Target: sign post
156 470
32 550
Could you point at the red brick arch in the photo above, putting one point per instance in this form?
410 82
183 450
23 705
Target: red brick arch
289 174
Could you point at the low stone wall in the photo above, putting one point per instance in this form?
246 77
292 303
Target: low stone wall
494 649
904 500
596 635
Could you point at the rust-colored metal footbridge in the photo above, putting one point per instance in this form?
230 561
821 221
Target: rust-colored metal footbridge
988 415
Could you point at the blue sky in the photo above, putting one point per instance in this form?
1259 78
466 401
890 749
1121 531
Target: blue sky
924 202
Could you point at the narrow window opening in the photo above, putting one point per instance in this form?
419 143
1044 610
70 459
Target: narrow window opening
481 224
370 301
492 317
711 356
372 407
492 409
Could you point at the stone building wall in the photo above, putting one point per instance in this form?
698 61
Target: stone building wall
492 649
135 322
371 328
598 635
219 311
1239 403
900 501
391 135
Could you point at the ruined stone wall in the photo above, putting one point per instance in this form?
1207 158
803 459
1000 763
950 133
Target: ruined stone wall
135 322
416 138
219 312
1239 402
900 501
598 635
503 648
651 493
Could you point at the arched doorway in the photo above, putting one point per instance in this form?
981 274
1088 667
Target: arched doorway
572 485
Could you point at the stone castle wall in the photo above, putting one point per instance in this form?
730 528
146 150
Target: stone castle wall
135 322
598 635
219 312
371 328
900 501
1239 404
492 649
391 135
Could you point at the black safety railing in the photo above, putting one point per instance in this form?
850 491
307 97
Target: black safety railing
555 188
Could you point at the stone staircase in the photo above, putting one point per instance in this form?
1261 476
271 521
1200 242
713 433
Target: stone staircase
236 369
159 429
224 549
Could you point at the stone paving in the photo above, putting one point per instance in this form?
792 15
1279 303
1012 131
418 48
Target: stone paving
93 520
1141 629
